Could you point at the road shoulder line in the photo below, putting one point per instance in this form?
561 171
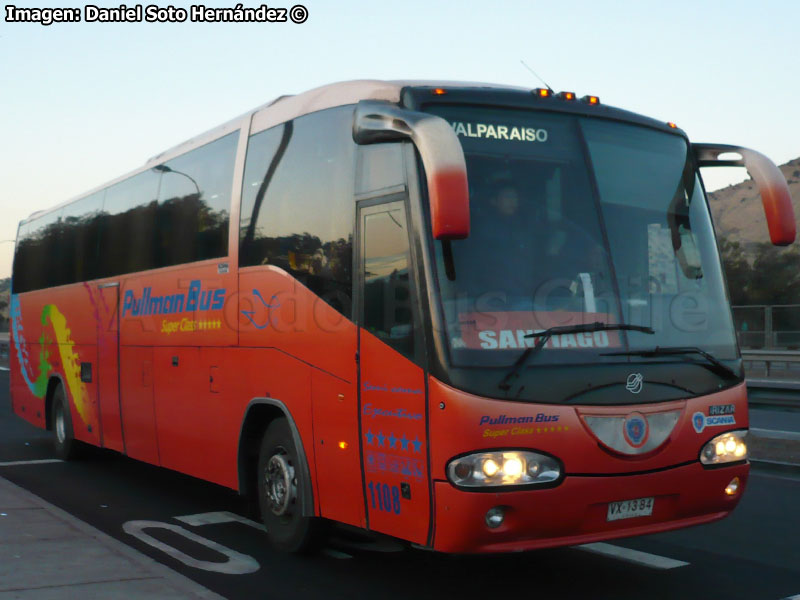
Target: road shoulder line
636 557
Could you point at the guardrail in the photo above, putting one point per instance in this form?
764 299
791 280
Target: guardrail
786 358
767 326
772 393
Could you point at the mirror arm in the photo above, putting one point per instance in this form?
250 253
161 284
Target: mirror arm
441 153
770 181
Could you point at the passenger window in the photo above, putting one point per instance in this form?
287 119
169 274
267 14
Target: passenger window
386 275
194 203
37 261
129 224
80 238
298 204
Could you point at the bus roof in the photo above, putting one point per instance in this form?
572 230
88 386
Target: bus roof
288 107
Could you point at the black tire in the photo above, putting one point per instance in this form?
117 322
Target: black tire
66 446
281 488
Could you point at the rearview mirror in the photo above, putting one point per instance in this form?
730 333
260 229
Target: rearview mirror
441 154
769 179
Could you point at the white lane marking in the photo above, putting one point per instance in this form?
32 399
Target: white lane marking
223 516
237 563
16 463
795 597
213 518
4 369
633 556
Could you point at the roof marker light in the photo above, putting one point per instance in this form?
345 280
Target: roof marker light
439 92
566 95
671 124
591 100
543 92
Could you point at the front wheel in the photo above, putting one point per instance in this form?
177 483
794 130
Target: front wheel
66 446
281 489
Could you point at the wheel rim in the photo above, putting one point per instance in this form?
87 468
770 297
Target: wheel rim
280 484
61 426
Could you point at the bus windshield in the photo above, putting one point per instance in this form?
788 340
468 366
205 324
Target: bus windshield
578 220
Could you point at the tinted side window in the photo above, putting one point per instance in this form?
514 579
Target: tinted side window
194 203
23 274
80 239
297 202
387 287
38 262
128 225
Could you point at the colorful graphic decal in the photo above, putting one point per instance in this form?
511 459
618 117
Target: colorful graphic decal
70 360
37 386
505 330
71 363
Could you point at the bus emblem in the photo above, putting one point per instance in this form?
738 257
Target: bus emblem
634 383
636 430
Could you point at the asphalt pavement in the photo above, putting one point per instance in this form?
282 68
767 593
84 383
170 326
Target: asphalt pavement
179 537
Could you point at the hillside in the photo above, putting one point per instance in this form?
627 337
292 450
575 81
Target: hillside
739 215
757 272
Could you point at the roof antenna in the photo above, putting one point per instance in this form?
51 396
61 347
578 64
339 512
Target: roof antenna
537 76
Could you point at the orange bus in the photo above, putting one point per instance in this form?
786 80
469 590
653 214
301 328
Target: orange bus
472 317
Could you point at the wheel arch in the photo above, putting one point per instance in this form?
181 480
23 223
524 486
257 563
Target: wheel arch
259 414
52 383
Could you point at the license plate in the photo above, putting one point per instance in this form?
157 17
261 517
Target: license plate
627 509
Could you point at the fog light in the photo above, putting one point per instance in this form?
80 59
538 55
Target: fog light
494 517
731 490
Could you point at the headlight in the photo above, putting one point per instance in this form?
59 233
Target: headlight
502 468
725 448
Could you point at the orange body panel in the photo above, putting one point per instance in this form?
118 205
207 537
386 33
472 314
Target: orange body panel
394 434
377 440
107 371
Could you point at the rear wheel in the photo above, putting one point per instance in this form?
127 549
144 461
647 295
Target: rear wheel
281 489
66 446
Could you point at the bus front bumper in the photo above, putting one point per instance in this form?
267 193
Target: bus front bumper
576 511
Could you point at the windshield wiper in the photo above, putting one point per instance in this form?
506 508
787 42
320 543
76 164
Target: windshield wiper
714 364
548 333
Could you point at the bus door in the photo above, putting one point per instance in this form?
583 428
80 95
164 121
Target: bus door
392 394
107 306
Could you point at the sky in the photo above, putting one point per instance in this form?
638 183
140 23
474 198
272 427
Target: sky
83 103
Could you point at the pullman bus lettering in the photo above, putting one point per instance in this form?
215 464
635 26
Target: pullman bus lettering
193 300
